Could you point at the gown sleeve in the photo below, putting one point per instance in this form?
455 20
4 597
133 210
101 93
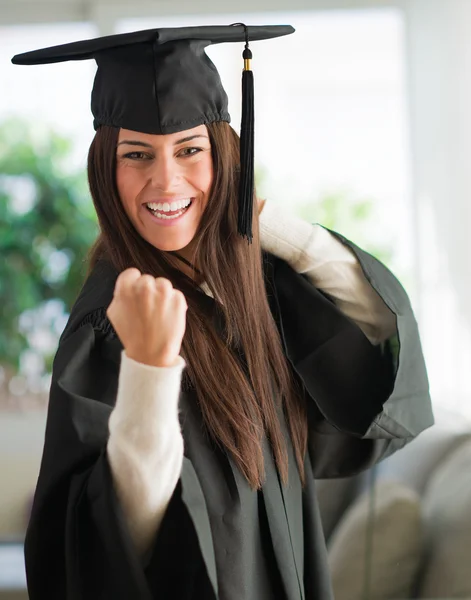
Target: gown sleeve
363 373
78 544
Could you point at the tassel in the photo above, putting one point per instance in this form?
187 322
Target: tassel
246 182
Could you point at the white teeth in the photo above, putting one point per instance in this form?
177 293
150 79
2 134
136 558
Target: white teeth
169 206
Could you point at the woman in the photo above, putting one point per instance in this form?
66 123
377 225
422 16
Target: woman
301 351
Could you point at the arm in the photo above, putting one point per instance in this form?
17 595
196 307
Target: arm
145 447
331 266
364 400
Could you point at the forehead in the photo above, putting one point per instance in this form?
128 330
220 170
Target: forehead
161 139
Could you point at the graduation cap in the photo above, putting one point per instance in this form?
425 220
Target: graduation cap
161 81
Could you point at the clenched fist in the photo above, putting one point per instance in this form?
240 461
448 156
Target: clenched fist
149 317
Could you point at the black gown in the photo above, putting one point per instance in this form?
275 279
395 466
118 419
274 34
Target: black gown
219 539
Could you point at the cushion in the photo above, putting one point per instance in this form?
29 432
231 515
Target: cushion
376 553
415 464
447 513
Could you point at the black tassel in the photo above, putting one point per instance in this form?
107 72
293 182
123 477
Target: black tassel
247 175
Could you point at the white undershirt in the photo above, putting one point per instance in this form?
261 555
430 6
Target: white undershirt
145 446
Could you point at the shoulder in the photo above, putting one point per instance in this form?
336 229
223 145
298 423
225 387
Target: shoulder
93 301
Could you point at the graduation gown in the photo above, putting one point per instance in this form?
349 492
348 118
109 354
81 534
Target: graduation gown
219 539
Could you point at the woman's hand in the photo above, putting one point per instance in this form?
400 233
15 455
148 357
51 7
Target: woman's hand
149 317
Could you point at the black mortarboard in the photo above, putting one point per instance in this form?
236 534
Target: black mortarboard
162 81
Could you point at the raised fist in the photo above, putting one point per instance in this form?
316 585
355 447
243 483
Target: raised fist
149 317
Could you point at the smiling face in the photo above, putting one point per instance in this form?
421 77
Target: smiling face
164 183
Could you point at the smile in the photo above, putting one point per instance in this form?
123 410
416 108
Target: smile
169 210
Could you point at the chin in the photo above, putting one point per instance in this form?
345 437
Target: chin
170 245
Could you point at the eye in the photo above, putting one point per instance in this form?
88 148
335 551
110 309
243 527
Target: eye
185 152
137 155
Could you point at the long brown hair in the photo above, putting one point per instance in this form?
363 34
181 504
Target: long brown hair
239 399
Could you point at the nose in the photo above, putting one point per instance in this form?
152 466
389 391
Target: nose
165 172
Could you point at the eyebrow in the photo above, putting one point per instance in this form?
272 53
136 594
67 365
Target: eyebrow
146 145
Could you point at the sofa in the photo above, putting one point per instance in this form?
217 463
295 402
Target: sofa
403 529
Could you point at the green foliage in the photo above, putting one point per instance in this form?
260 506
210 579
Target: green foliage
47 225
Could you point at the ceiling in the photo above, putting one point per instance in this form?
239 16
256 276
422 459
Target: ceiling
52 11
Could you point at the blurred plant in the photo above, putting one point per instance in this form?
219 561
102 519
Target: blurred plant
47 224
